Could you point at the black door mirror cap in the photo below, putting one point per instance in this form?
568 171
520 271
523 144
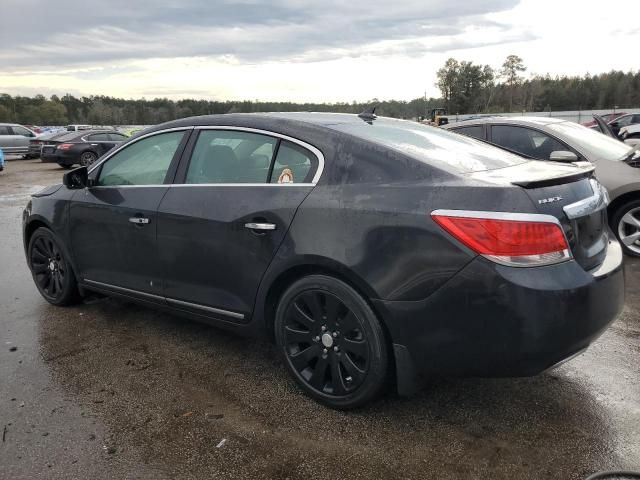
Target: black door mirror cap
76 179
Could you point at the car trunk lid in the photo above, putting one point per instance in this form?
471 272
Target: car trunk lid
571 194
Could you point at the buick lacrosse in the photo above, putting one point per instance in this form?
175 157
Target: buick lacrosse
374 252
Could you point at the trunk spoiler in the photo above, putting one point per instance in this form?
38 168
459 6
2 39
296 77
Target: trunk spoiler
583 172
537 174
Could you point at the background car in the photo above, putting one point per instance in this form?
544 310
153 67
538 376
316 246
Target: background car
36 144
607 117
371 250
543 138
76 127
1 160
80 148
14 138
630 132
624 121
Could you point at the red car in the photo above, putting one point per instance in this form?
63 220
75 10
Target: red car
607 117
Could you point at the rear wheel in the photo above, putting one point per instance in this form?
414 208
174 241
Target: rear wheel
332 342
626 225
51 269
87 159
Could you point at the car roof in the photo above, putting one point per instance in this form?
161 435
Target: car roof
313 118
70 136
12 125
520 120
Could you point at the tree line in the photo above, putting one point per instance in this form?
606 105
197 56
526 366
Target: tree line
472 88
465 87
104 110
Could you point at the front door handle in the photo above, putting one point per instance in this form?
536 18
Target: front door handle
139 220
260 226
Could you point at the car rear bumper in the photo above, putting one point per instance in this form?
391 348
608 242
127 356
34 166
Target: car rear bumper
492 320
60 158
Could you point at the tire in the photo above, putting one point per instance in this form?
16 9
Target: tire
66 167
625 223
332 342
51 269
87 158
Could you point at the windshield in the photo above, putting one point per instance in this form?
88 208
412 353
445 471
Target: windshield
433 145
600 146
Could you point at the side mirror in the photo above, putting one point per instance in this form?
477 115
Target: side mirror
563 156
76 179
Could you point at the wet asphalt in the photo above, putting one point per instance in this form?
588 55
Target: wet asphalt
109 389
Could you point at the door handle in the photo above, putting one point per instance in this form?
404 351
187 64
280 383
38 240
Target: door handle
139 220
260 226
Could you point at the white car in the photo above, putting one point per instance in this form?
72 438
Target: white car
14 138
629 132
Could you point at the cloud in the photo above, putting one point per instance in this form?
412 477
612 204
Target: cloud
70 34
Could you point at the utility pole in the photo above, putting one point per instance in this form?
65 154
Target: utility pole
425 105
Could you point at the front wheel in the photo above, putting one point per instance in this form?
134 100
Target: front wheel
51 269
626 225
332 342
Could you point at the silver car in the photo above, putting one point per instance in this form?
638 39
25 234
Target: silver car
14 138
617 164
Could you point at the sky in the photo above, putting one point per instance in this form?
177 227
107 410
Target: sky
292 50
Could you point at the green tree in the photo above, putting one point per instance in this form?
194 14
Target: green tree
511 69
447 80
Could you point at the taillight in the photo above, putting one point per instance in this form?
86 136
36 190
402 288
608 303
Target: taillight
513 239
64 146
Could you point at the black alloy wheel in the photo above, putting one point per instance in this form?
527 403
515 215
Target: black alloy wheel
332 342
50 269
87 159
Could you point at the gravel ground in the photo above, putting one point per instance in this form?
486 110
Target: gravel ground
109 389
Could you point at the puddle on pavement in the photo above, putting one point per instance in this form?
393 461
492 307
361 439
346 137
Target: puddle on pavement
170 390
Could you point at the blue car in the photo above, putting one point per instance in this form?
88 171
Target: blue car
1 160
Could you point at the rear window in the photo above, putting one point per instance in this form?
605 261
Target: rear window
475 131
68 137
433 145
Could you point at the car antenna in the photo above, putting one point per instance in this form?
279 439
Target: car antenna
368 114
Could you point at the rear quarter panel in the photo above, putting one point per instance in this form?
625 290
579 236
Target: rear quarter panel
384 236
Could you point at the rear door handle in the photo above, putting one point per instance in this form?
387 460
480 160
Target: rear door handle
139 220
260 226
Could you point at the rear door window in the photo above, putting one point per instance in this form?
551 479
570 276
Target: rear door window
98 137
293 164
227 156
22 131
526 141
5 130
117 137
475 131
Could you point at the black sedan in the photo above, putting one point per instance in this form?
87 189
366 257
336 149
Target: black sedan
372 251
83 147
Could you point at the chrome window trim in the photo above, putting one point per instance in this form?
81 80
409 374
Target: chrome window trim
269 133
171 185
173 301
303 144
